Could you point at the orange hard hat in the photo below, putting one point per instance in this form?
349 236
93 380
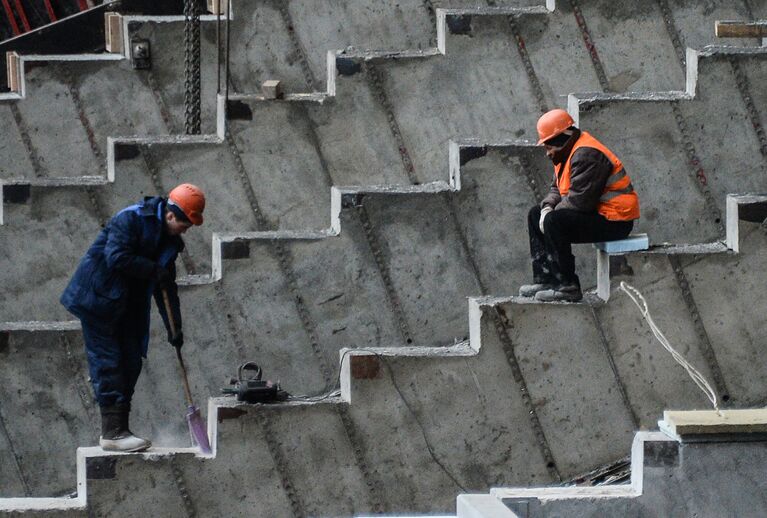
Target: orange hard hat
553 123
191 200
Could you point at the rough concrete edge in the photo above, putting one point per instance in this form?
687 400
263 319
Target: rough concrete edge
351 53
83 181
79 501
36 325
630 490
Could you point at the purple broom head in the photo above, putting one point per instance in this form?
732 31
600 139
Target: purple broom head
197 429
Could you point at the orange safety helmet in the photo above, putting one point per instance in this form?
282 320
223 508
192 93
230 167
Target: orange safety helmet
191 200
553 123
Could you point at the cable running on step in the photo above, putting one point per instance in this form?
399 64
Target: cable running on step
696 376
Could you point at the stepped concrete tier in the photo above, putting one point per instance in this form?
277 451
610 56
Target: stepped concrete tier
167 160
276 203
395 89
675 135
492 410
544 418
370 102
66 106
396 259
720 474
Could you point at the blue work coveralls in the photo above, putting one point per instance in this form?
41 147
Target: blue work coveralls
111 295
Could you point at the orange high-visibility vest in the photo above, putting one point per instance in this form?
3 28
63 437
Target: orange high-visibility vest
619 201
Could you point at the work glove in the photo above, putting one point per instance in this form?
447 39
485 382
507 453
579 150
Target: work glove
544 212
162 276
176 341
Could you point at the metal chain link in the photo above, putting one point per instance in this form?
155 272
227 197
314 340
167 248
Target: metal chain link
192 89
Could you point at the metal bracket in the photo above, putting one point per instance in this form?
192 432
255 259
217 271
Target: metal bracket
140 54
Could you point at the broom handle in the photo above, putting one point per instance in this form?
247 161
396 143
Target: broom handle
172 322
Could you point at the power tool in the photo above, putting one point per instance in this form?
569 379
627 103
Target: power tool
249 388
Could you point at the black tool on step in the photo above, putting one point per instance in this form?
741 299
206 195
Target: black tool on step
250 388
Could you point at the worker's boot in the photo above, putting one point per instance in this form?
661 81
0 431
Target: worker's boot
529 290
115 435
567 293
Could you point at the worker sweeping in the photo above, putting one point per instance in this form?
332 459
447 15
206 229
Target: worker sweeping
131 259
591 200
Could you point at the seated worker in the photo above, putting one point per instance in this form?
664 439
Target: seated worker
591 199
132 258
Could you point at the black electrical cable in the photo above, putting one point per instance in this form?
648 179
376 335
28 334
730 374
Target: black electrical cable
321 396
382 359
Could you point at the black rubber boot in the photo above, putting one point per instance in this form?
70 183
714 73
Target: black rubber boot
111 425
124 412
115 435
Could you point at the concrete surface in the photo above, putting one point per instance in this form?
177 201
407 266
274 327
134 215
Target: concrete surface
400 270
684 479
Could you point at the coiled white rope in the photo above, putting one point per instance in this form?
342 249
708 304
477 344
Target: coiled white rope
696 376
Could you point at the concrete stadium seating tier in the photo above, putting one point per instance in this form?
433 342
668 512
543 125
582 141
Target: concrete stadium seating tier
418 419
425 224
716 473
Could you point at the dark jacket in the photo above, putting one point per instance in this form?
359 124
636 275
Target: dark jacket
589 169
114 282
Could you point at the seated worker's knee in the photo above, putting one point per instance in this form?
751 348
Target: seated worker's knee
553 222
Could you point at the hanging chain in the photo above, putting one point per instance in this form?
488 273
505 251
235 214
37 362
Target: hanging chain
192 94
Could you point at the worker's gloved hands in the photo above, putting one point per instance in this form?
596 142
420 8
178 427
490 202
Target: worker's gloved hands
176 341
162 276
544 212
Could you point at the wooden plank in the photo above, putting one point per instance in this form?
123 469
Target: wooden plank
710 422
13 65
113 32
217 6
735 29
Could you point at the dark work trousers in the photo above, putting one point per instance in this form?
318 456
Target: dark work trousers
114 361
552 255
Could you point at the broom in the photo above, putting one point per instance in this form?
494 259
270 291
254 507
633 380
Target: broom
196 424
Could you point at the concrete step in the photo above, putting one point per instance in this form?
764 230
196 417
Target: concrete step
59 420
439 376
662 471
255 155
316 145
99 96
390 75
566 404
374 407
296 456
683 131
213 328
